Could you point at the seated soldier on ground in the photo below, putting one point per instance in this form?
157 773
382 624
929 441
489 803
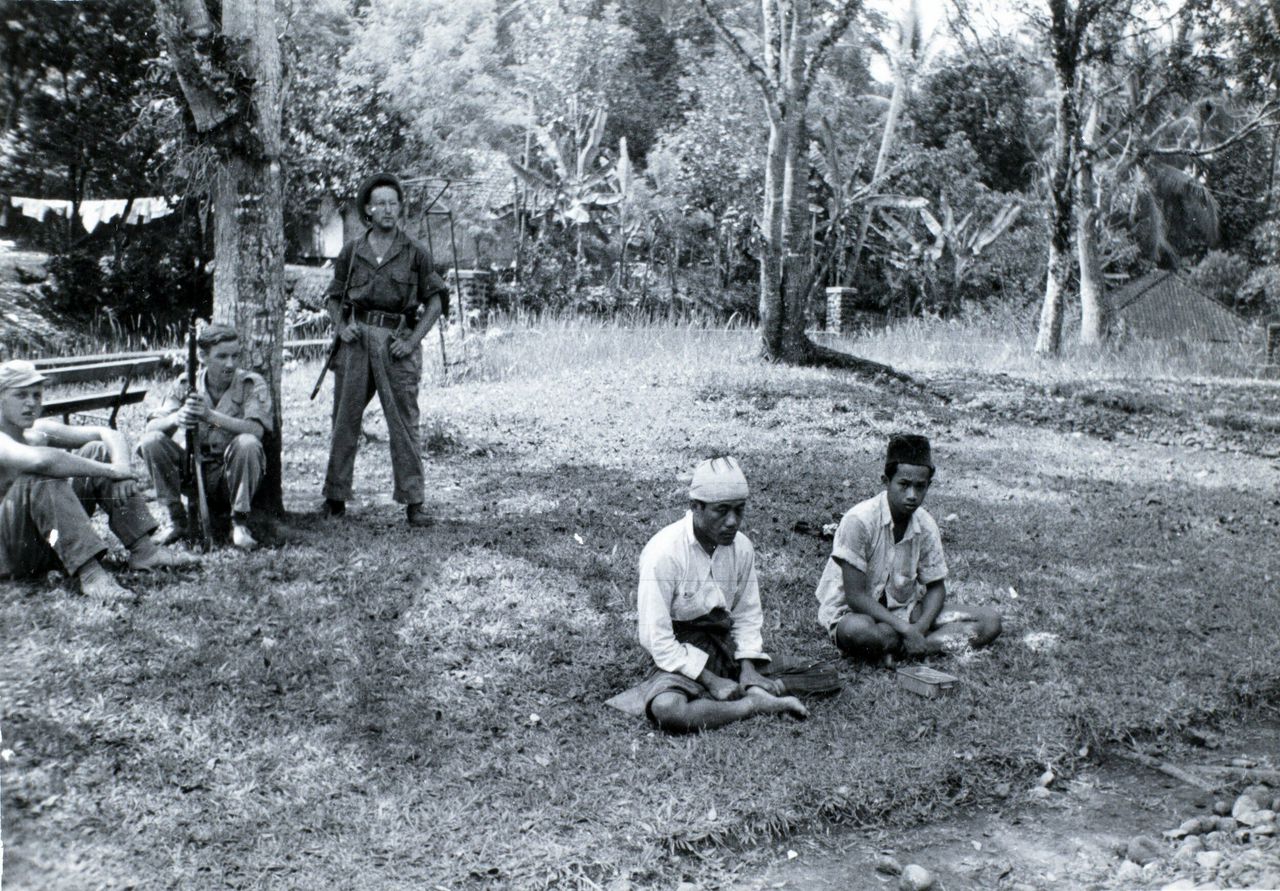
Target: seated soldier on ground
700 616
48 493
232 408
883 592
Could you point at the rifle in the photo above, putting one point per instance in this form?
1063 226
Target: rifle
328 361
337 336
195 467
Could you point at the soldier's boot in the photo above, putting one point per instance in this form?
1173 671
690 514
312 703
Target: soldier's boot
417 517
174 527
241 537
332 507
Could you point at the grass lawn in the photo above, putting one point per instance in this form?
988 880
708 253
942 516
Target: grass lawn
374 708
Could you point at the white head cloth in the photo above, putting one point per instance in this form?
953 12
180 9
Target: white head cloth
18 373
718 479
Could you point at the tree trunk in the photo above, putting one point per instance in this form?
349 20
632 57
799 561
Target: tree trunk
1093 307
797 247
771 311
900 87
1049 337
1061 187
247 186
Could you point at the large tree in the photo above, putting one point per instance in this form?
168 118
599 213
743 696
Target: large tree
227 60
1068 28
793 41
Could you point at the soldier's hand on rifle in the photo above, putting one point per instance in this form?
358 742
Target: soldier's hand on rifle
347 333
193 411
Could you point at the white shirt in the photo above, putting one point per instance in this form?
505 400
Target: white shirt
896 571
680 581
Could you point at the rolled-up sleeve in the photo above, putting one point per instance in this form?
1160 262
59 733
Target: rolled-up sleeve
430 284
257 402
748 615
932 565
658 578
852 542
172 401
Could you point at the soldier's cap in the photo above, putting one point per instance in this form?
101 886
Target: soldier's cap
213 334
378 179
19 373
909 448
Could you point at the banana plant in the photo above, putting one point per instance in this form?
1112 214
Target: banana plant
948 254
570 180
844 192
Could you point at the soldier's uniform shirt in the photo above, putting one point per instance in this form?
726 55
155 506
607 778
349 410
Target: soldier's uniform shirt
234 466
401 281
247 398
398 282
896 571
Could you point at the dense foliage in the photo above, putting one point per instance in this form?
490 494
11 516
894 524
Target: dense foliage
469 90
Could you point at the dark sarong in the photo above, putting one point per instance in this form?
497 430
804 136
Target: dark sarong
712 634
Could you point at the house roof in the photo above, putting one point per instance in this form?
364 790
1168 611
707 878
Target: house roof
1164 305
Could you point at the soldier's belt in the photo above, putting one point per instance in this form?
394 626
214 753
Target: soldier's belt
378 319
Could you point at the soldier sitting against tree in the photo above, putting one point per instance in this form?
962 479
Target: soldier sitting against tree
232 408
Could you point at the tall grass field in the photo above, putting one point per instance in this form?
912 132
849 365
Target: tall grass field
362 706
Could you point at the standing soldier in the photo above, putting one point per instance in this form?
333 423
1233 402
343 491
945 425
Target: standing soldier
233 410
384 298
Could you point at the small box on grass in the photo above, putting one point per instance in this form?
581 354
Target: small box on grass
925 681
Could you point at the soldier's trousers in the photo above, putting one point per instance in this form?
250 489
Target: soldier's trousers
233 480
44 521
362 368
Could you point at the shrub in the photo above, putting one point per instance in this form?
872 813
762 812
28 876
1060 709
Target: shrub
1220 275
1261 291
143 284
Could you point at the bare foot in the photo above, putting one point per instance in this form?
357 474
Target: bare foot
148 559
767 703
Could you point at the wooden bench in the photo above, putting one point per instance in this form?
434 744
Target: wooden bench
65 370
103 367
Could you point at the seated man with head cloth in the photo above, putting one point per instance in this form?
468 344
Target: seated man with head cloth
700 616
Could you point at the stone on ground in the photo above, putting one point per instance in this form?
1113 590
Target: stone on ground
915 878
888 865
1143 849
1129 873
1209 859
1245 804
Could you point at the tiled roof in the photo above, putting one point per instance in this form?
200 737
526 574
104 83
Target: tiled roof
1163 305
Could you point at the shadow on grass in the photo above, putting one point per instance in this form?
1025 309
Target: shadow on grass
416 708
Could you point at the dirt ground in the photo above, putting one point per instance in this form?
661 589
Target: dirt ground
1073 837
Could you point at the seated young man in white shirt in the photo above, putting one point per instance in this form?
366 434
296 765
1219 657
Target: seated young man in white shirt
883 593
700 617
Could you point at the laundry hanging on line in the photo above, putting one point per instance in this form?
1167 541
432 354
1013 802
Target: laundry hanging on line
92 213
